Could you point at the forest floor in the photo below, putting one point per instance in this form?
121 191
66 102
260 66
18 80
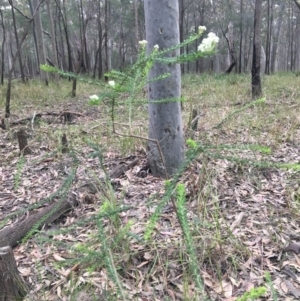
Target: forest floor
242 196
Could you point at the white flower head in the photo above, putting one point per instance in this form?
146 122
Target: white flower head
143 43
112 83
156 47
209 44
201 29
94 97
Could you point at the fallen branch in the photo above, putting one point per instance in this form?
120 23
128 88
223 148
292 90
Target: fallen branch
11 235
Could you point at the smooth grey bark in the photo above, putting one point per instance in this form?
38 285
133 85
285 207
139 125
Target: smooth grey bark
136 22
52 30
256 56
40 41
13 61
165 120
269 34
276 36
241 36
106 21
231 60
262 61
2 48
17 40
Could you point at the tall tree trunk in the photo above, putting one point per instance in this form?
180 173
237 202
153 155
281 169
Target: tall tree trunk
136 23
13 61
269 35
100 40
297 43
292 40
17 40
276 36
63 64
181 23
53 44
241 35
201 20
256 81
63 15
121 43
2 48
165 120
85 55
231 49
34 38
106 26
40 41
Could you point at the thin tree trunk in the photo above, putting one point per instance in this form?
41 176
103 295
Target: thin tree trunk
268 41
85 57
17 40
65 22
136 23
34 38
181 23
241 35
106 26
3 48
276 36
63 63
231 49
99 50
256 80
53 44
40 42
13 61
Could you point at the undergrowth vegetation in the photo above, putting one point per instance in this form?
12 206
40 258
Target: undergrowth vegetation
216 230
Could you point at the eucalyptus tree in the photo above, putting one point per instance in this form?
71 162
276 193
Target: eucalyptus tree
256 56
53 37
165 120
15 56
17 39
2 47
38 27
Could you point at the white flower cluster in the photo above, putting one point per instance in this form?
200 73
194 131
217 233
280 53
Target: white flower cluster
156 47
201 29
112 83
94 97
143 43
209 44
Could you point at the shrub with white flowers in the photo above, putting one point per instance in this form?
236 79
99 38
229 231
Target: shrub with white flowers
94 97
112 83
209 44
143 43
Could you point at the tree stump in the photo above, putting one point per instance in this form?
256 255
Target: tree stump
12 286
194 122
64 144
23 145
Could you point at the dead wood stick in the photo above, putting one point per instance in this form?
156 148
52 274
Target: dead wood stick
11 235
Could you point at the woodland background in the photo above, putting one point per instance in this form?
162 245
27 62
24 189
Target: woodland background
102 35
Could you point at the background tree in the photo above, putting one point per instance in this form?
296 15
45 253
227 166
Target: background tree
38 26
52 37
2 47
256 57
165 121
